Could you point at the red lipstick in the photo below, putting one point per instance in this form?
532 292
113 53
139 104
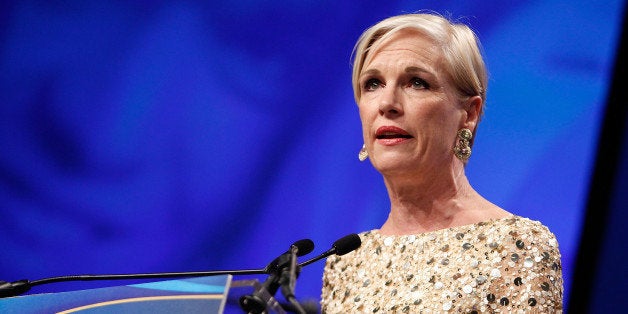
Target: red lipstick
391 135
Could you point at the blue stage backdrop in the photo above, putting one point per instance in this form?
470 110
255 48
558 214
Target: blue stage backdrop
154 136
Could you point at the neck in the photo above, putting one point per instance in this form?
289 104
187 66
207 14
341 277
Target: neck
429 202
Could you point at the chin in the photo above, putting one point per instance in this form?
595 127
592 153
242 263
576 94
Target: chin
393 167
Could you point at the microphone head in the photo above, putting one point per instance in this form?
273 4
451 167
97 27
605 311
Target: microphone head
305 246
347 244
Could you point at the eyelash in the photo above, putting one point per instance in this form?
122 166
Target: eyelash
423 83
373 83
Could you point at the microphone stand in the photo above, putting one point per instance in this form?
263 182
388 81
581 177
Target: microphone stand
288 281
263 297
282 274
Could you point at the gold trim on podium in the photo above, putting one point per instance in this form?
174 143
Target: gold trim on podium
144 299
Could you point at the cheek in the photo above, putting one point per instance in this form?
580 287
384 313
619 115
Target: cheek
436 121
367 115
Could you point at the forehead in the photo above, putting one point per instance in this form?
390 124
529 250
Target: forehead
404 47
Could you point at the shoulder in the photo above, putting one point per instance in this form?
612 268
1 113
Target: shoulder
525 228
522 233
532 225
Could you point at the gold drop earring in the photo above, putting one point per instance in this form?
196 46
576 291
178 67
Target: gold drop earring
363 154
462 150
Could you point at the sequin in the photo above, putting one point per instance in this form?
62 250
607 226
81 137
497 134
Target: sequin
467 289
496 273
480 279
447 306
475 268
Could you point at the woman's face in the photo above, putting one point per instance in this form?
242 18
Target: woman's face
409 109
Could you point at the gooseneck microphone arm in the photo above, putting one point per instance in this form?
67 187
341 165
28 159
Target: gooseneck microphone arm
10 289
342 246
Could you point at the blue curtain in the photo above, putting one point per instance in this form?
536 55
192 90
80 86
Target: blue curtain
205 135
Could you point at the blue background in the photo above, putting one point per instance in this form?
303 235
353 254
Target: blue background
185 135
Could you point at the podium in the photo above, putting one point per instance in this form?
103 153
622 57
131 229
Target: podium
193 295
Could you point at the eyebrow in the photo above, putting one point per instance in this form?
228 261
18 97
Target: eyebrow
416 69
411 69
370 72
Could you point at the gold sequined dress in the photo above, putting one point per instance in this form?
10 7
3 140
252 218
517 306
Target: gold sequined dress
509 265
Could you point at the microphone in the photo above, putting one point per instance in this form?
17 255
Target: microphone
341 247
10 289
303 247
256 303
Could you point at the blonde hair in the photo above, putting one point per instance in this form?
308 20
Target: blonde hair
460 47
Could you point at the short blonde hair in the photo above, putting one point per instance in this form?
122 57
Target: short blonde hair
460 46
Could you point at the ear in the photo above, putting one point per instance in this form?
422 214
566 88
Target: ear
473 108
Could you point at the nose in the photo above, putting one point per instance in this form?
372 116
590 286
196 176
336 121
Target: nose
390 104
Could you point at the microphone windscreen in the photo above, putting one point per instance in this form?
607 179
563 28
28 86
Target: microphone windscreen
347 244
305 246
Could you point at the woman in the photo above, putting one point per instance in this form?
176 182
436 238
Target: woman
420 84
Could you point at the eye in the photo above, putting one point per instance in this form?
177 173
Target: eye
418 83
372 84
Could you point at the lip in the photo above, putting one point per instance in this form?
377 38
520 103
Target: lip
391 135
